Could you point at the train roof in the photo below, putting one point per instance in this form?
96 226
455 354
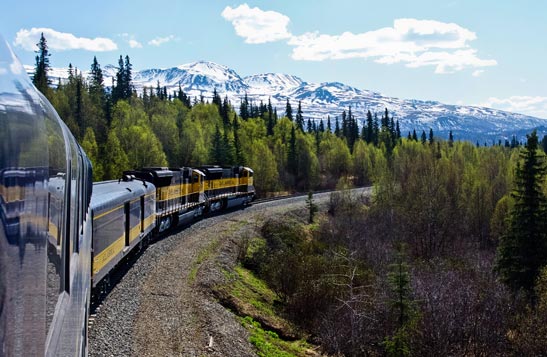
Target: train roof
109 194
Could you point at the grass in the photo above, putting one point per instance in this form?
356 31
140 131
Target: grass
252 299
268 343
248 288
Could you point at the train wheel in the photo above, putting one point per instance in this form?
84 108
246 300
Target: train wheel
165 223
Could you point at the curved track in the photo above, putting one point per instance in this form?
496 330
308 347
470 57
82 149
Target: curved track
162 306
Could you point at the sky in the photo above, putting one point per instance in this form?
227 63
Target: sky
469 52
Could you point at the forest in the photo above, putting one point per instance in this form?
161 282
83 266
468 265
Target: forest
447 257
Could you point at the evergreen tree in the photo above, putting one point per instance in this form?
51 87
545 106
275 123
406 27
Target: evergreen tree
270 122
96 79
299 118
522 251
288 110
244 112
344 130
450 139
225 111
514 142
117 88
329 127
229 150
424 137
41 69
217 151
127 78
375 130
402 306
544 143
337 131
414 135
238 152
370 128
292 161
309 126
431 139
321 128
397 131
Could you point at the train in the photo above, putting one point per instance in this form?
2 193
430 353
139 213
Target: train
61 234
133 210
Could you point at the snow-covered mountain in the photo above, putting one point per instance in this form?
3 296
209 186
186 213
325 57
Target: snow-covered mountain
320 100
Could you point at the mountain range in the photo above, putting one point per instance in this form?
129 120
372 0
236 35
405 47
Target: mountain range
320 100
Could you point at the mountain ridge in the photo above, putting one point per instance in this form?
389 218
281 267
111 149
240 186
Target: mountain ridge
320 100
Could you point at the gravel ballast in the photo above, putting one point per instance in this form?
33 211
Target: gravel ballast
163 305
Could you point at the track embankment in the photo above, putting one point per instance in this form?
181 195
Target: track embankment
164 305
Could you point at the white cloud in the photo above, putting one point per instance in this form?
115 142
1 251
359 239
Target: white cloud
412 42
256 25
61 41
158 41
415 43
135 44
531 105
477 73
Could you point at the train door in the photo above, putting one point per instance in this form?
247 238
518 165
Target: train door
127 226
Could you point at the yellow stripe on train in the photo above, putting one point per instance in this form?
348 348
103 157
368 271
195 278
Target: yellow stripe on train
176 191
104 257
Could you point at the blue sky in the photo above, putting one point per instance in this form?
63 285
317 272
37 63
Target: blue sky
491 53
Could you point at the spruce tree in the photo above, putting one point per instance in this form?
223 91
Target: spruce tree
270 123
370 128
216 155
238 152
522 251
309 126
337 131
402 305
40 78
414 135
424 137
299 118
292 162
431 139
288 110
127 78
375 130
450 139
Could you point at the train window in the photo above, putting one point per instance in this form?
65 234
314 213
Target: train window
68 225
142 214
127 222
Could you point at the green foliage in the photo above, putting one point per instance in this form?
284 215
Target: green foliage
268 343
523 249
89 144
402 305
115 158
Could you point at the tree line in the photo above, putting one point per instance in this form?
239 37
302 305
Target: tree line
120 129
